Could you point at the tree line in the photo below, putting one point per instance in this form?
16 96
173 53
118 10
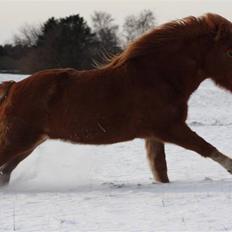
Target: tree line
71 42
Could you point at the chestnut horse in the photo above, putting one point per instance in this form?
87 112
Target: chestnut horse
141 93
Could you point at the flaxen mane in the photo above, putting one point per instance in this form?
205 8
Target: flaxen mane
165 35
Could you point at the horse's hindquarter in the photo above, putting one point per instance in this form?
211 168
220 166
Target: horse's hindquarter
92 109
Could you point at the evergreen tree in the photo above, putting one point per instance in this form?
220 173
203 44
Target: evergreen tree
66 42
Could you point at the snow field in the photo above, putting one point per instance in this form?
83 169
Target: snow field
66 187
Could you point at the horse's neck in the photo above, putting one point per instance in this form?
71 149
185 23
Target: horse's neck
197 52
192 83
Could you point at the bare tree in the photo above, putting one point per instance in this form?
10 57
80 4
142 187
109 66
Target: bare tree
103 21
136 25
28 35
106 32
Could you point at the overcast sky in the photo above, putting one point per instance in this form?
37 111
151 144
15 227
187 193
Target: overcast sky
15 14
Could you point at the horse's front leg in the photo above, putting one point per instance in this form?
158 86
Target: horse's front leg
182 135
156 158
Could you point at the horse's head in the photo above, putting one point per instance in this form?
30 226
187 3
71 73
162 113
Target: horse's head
218 61
204 42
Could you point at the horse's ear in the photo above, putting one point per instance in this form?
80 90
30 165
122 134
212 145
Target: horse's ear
218 25
220 32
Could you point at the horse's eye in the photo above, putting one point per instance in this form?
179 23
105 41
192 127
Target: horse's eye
229 53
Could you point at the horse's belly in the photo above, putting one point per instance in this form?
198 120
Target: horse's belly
96 139
95 134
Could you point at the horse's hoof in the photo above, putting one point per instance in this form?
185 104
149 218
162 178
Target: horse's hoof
229 166
4 180
225 161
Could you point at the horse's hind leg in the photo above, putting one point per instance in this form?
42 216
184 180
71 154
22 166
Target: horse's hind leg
10 158
19 141
156 158
7 168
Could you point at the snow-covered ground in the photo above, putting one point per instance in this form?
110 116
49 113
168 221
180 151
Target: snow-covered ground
65 187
